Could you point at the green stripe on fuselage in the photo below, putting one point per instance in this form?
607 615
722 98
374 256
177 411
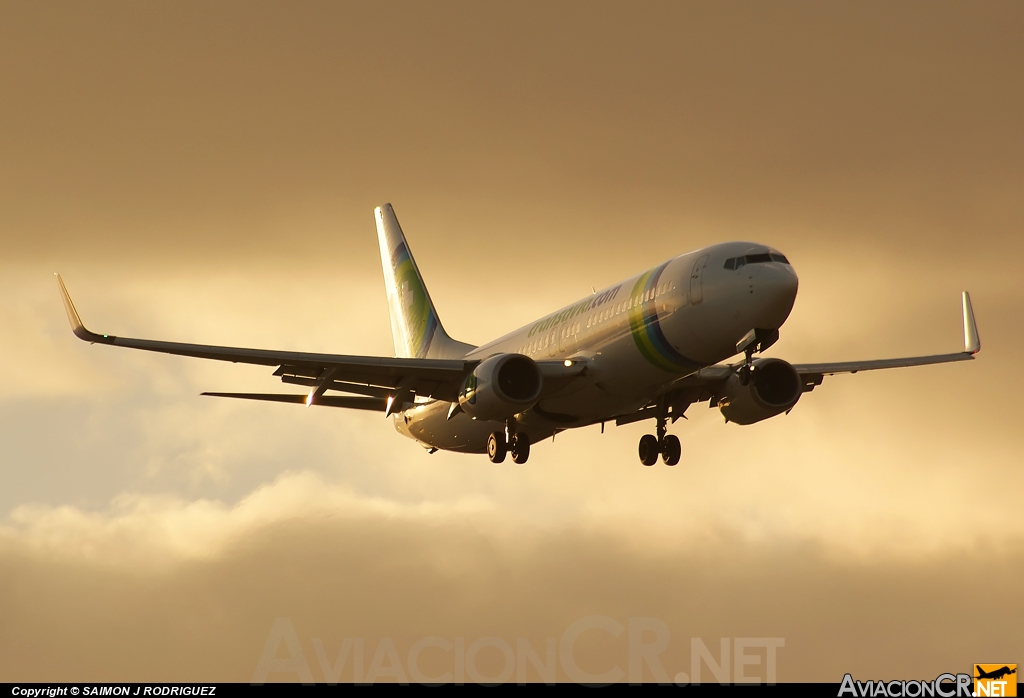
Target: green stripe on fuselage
643 325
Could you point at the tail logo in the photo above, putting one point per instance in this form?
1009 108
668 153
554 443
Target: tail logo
418 318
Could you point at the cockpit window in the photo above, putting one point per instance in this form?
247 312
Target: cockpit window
739 262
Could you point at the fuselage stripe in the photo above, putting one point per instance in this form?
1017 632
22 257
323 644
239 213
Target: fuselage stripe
646 329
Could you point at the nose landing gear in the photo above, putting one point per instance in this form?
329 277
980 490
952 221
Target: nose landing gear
754 341
748 367
666 445
501 442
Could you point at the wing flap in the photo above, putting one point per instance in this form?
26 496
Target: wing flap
350 402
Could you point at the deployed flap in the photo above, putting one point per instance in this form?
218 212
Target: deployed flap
415 326
352 403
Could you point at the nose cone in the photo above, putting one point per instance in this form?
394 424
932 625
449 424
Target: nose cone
774 288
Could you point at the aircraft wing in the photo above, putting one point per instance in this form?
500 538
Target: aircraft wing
704 384
373 376
813 373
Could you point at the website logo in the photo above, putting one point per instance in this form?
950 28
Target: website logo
995 680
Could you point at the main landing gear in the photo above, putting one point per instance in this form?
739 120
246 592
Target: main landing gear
666 445
501 442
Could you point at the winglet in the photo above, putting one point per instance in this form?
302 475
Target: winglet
972 344
76 322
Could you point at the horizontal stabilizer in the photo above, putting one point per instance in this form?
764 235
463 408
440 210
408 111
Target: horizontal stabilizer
374 404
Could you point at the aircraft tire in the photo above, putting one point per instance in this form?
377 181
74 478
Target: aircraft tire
521 448
671 450
496 447
648 449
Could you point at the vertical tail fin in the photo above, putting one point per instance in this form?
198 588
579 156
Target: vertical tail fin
415 326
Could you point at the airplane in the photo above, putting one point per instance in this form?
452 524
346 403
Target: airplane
645 348
996 674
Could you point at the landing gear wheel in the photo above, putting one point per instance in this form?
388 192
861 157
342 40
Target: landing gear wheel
496 447
671 450
648 449
521 448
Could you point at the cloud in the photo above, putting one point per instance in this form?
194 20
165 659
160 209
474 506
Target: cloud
157 531
163 592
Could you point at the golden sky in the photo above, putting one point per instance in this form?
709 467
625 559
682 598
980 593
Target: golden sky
207 172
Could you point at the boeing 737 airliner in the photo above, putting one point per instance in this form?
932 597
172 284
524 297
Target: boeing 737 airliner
645 348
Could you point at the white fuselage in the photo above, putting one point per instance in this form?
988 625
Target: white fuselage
636 338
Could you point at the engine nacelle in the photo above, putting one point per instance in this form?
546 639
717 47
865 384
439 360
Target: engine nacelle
774 387
501 386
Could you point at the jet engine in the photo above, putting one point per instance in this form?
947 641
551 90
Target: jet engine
774 387
501 386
